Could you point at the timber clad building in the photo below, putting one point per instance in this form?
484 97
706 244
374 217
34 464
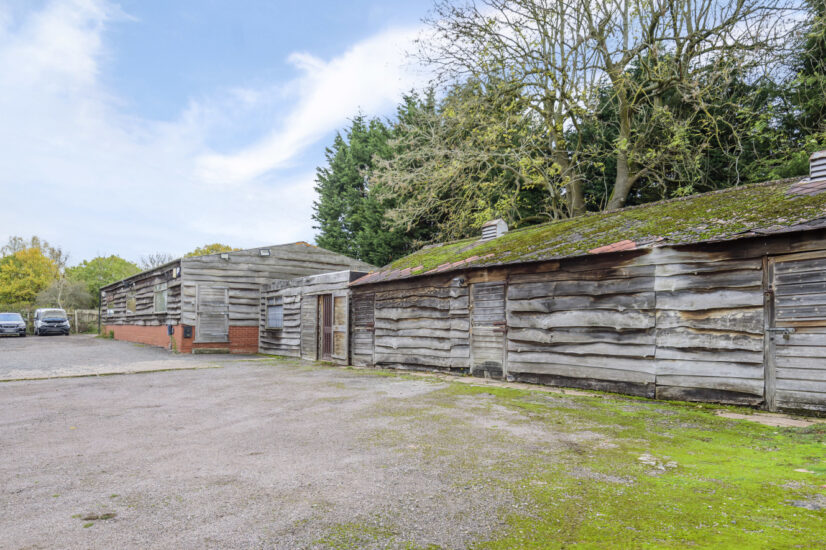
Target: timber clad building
715 297
209 302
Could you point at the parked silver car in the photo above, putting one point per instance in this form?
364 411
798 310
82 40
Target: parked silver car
50 321
12 323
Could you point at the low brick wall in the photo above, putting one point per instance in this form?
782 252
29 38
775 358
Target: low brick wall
242 340
150 335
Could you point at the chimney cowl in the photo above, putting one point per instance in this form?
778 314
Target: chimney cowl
817 165
494 228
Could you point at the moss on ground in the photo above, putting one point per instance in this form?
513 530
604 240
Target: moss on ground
695 479
623 472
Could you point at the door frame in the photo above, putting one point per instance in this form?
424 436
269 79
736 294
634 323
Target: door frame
770 328
323 327
497 327
198 338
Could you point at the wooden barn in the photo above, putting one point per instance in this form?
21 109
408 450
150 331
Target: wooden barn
308 317
714 297
208 302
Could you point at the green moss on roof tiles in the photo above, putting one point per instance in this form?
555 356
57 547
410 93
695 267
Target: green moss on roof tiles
720 215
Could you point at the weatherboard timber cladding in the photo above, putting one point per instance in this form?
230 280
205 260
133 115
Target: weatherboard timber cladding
298 336
246 272
113 300
239 276
362 328
796 328
673 322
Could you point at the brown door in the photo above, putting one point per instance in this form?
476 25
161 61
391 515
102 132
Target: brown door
326 327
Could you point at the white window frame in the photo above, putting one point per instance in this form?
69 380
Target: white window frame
272 304
133 295
161 289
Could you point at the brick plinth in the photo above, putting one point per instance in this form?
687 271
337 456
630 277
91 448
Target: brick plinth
150 335
242 340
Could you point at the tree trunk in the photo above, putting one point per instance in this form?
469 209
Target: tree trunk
576 196
623 181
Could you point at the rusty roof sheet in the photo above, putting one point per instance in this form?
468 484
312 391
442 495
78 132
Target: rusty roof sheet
760 209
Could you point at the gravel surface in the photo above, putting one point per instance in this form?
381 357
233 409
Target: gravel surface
257 454
84 354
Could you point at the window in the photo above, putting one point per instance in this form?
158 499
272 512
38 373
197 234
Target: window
160 297
131 302
275 313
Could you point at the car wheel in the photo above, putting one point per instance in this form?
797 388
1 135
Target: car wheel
23 335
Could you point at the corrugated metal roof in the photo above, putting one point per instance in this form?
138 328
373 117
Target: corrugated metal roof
738 212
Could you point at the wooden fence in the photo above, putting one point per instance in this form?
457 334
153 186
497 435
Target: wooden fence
80 320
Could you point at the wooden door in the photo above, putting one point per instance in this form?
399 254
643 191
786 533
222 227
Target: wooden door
363 328
339 329
309 324
212 314
326 325
795 342
487 329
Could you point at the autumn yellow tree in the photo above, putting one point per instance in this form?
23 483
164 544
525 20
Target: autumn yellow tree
214 248
24 274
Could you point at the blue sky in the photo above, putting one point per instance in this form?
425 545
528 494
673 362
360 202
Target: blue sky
145 126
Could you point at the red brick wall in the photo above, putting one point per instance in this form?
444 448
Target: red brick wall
153 336
241 339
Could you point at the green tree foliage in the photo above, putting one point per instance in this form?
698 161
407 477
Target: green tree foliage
214 248
466 159
349 212
101 271
24 273
66 294
54 253
546 109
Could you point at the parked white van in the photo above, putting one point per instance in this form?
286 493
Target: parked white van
50 321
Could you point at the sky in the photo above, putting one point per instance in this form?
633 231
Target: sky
146 126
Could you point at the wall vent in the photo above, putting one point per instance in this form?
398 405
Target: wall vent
817 166
496 228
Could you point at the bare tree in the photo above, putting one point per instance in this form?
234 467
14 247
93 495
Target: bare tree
156 259
534 48
561 54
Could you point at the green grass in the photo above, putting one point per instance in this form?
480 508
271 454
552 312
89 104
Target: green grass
731 486
715 482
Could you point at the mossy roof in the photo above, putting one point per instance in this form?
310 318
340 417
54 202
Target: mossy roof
733 213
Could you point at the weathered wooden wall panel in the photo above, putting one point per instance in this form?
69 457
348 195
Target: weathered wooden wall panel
422 327
584 326
487 332
298 297
113 304
246 273
709 327
684 322
362 329
797 345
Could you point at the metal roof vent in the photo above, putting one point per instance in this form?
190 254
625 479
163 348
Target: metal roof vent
817 165
497 228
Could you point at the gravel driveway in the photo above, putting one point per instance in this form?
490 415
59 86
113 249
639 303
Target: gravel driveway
255 454
267 453
83 354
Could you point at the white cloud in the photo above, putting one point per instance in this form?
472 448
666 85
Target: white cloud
369 76
79 171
